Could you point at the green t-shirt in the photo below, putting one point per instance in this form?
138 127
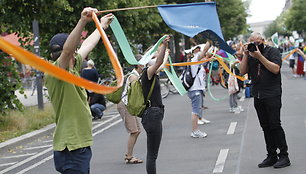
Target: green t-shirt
73 117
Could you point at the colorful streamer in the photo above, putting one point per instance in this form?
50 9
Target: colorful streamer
175 80
31 59
126 48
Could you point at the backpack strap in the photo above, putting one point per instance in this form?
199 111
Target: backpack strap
151 89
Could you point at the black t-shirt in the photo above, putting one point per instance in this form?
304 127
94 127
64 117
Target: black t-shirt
265 83
156 98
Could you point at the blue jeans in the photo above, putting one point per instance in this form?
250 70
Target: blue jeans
73 162
97 110
152 123
196 98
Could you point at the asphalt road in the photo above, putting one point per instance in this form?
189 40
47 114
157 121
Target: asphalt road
234 145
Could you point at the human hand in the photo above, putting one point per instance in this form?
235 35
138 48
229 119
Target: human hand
106 20
256 54
86 13
166 40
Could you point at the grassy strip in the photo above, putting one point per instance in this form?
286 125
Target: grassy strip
18 123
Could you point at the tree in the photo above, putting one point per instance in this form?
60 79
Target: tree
278 25
60 16
296 19
10 82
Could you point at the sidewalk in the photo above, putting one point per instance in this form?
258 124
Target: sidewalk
31 100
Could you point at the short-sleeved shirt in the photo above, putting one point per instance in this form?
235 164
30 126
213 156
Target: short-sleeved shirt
199 82
265 83
72 113
156 98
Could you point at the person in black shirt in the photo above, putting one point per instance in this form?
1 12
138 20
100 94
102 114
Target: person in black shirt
154 113
90 73
263 66
97 105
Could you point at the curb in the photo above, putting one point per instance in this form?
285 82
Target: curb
34 133
26 136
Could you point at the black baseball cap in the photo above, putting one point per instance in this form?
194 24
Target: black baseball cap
57 42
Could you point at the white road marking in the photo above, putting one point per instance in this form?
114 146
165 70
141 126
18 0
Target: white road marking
51 148
221 161
35 165
7 164
26 160
231 129
38 147
19 156
102 130
48 141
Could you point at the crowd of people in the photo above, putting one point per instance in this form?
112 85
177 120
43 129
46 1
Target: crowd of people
73 136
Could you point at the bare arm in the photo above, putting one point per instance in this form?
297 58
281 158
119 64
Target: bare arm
73 39
159 59
90 43
203 53
164 61
300 52
244 63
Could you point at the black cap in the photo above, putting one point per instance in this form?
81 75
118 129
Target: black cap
57 42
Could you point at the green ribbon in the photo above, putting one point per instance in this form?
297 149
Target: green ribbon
208 86
175 80
130 58
126 48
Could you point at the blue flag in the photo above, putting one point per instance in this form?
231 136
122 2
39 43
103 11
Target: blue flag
195 18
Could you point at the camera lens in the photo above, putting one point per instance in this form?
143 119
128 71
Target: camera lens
252 47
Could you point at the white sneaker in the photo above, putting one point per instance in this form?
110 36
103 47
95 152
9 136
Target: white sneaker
231 110
236 110
205 121
240 108
200 122
198 134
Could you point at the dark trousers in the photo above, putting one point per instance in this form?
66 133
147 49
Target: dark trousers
73 162
152 123
268 112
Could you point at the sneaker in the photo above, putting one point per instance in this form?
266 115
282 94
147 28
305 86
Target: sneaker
269 161
200 122
198 134
231 110
205 121
236 110
240 108
282 162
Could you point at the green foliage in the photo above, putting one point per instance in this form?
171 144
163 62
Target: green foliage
232 15
10 82
278 25
296 19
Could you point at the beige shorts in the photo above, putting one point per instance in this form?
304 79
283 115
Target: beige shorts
131 123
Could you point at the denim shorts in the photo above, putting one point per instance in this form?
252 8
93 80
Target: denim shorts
73 162
196 98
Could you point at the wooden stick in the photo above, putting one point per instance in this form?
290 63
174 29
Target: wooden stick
124 9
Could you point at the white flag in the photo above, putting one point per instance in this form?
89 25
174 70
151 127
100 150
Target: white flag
274 39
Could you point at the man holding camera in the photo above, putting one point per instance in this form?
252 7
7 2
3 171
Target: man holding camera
263 64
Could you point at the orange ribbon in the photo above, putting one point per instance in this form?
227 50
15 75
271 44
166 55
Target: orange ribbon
31 59
286 57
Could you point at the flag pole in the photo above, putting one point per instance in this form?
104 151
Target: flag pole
124 9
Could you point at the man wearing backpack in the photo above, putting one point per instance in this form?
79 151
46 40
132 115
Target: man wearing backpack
131 122
196 93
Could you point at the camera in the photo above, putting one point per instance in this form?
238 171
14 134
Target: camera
252 47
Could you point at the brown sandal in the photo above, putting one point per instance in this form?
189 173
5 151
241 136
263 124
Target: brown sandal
132 160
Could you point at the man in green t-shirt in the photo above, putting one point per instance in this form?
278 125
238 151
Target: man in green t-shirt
73 133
